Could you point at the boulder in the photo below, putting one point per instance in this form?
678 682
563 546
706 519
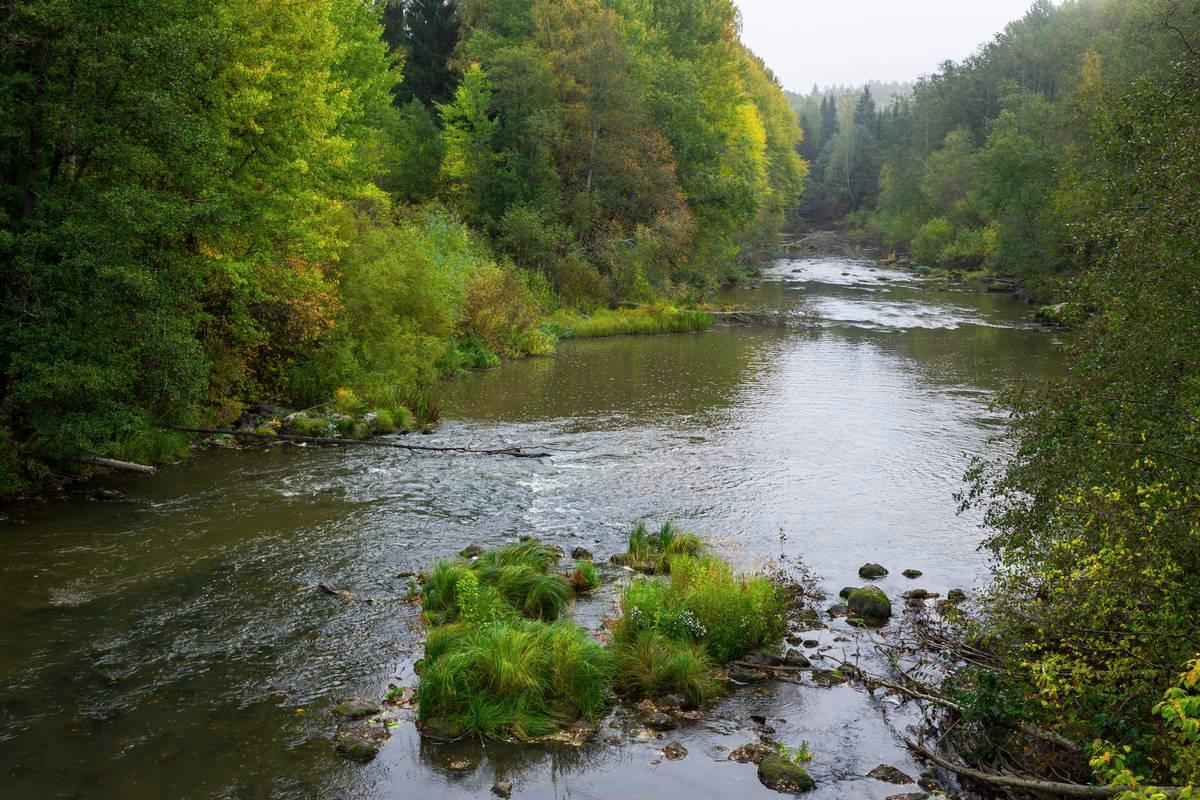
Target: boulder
581 554
912 574
776 772
845 592
889 774
356 708
870 605
471 551
871 571
440 730
502 789
838 610
742 675
956 595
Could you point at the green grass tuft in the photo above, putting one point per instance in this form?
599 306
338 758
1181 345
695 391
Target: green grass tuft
652 665
520 678
584 577
653 552
632 321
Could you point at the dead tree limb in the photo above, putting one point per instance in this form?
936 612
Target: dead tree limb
1030 784
112 463
514 452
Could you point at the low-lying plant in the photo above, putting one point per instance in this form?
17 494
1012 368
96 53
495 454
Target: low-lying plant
647 320
798 756
651 664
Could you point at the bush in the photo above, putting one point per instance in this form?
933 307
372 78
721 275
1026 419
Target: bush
934 236
517 678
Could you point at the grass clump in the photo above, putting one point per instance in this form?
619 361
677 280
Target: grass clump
500 584
705 603
648 320
651 664
798 756
652 552
518 678
584 577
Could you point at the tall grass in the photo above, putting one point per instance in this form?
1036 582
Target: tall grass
584 577
651 665
653 551
705 603
519 678
635 321
501 583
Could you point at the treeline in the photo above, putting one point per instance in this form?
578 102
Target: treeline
213 202
984 166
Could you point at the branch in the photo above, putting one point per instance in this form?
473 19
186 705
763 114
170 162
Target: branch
112 463
515 452
1028 784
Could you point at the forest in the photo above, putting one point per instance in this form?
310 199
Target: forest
211 204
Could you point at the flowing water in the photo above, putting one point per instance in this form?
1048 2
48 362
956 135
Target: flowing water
174 645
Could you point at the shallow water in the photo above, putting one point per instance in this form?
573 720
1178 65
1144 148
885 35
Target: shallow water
174 645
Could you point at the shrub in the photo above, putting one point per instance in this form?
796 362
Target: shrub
934 236
500 584
518 678
652 665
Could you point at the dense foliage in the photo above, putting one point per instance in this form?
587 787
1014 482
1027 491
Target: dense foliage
211 203
985 165
1097 514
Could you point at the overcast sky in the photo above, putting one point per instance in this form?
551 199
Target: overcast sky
853 41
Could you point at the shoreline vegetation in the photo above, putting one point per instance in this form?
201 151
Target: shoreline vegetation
359 197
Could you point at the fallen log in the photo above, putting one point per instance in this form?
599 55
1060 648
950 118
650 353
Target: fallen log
112 463
1033 785
514 452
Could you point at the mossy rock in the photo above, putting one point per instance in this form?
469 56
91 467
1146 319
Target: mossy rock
776 772
266 430
441 730
356 708
872 571
870 605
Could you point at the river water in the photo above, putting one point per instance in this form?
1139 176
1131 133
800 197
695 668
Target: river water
174 645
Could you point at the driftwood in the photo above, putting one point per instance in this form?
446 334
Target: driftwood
1032 785
112 463
514 452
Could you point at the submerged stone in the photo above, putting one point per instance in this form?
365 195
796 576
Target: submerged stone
776 772
658 721
581 554
502 789
889 774
360 744
440 730
674 751
743 675
912 573
751 753
764 658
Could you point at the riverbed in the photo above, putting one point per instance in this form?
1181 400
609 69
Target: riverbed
175 645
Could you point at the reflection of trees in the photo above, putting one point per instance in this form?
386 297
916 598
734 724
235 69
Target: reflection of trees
510 761
634 376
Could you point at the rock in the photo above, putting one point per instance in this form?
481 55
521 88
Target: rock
106 495
793 639
845 592
751 753
870 605
764 658
356 708
776 772
811 643
908 796
471 551
912 573
795 658
828 677
614 740
659 721
502 789
581 554
440 730
674 751
889 774
838 610
360 744
742 675
956 595
919 594
928 781
871 571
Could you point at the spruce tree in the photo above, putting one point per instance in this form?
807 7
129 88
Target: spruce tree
424 33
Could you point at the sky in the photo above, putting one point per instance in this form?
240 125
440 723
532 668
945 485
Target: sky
852 41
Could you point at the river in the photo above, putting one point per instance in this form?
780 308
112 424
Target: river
174 645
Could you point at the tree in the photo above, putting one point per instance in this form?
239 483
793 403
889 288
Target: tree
424 33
